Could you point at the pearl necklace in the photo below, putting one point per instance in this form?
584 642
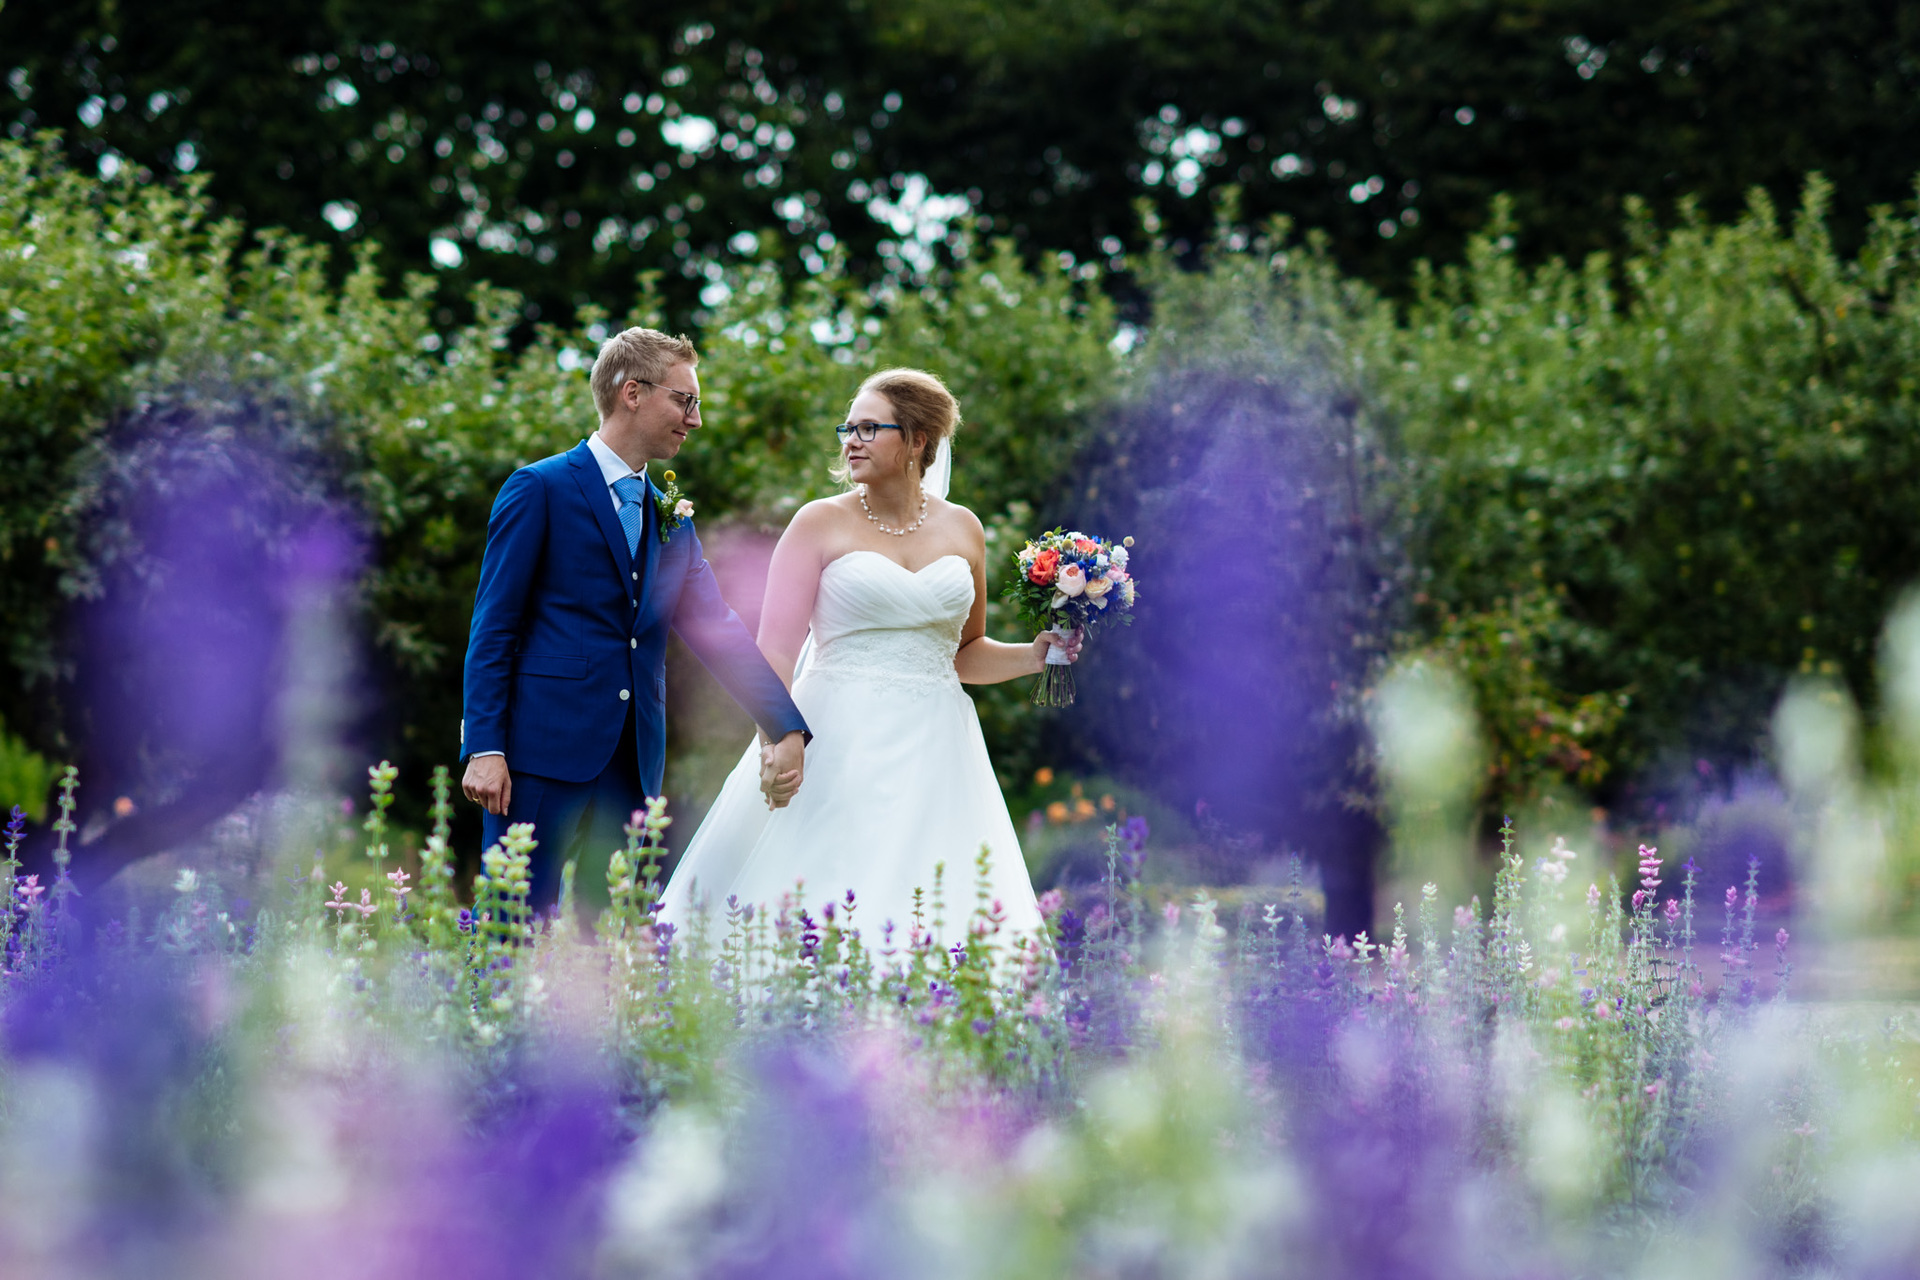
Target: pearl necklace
898 533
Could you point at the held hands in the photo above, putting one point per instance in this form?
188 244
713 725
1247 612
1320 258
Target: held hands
1046 640
781 765
488 783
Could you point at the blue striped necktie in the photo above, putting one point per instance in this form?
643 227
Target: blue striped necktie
633 513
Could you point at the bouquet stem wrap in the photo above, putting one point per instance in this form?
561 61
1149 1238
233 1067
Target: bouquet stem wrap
1054 688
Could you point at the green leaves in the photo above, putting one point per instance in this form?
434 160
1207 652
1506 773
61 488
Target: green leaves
1703 450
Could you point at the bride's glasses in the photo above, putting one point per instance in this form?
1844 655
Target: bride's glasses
864 432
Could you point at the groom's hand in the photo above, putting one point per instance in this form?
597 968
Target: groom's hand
781 767
488 783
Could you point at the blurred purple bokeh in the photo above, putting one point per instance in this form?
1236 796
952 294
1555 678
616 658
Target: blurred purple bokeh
211 638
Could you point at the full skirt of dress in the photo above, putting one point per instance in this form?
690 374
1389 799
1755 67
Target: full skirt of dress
897 785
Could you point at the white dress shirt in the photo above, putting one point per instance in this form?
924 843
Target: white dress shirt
613 468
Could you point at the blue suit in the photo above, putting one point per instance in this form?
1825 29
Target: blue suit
566 659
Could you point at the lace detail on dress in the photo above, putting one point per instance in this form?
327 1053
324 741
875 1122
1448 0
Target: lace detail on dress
917 660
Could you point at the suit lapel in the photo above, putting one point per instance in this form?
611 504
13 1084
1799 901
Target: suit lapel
593 487
650 537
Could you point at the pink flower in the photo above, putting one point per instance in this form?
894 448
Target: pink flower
30 888
683 509
1673 910
1172 912
1462 918
1565 1024
1072 580
1593 897
1037 1007
1780 940
1051 901
1603 1010
1639 896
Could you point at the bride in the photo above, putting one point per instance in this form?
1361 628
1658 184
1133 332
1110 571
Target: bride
891 579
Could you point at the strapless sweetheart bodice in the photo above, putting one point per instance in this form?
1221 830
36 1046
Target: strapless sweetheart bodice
876 621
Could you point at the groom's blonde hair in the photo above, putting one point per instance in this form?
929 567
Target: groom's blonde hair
922 403
645 354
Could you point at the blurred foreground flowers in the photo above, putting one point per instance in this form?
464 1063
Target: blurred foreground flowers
1584 1078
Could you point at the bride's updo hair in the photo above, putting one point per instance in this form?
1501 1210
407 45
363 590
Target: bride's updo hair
922 404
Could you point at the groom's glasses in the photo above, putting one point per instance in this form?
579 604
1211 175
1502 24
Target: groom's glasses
689 403
864 432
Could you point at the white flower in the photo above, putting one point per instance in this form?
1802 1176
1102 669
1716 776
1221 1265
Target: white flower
683 509
1119 557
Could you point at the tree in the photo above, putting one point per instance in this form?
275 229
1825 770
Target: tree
1392 124
556 149
559 149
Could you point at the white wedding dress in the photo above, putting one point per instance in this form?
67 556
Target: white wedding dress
897 777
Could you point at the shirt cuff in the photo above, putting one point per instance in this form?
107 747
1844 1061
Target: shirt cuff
476 755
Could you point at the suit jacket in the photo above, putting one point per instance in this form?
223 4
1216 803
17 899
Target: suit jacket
569 632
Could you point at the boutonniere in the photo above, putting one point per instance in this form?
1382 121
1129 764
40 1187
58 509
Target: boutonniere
673 507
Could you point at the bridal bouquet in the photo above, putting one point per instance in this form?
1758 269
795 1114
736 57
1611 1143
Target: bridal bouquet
1069 581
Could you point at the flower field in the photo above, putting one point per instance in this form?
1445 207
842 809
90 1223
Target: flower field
1579 1077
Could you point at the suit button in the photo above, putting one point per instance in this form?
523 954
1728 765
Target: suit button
636 577
631 644
623 695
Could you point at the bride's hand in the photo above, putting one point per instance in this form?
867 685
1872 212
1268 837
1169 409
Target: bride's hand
782 765
1046 640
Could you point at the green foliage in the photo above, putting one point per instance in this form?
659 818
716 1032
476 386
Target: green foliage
129 289
1674 478
96 279
1025 352
1704 452
1542 735
117 289
25 777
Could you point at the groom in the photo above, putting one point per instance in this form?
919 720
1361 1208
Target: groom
584 573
